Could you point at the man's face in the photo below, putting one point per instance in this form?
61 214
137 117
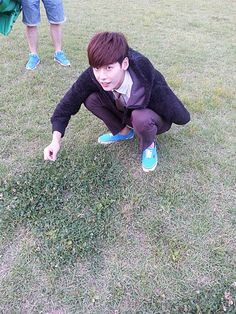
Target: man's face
111 76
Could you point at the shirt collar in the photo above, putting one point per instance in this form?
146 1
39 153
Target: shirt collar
126 85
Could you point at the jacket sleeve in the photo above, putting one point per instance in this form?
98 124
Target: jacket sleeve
71 102
167 104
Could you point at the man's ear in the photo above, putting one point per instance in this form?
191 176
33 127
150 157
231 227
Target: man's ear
125 63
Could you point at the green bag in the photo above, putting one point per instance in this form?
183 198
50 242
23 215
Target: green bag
9 12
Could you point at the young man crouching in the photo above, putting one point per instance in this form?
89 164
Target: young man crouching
123 89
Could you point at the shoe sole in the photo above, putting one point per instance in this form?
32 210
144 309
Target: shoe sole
105 143
34 67
64 65
151 169
110 142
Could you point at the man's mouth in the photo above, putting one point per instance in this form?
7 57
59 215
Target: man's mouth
104 84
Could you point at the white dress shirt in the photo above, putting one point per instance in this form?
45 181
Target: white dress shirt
125 88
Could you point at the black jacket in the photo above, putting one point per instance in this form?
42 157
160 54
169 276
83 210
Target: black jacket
158 95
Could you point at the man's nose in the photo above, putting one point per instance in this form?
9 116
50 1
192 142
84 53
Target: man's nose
102 75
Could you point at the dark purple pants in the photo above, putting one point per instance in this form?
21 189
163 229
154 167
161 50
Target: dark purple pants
146 123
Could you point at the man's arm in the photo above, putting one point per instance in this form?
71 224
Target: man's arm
169 106
70 104
50 152
160 97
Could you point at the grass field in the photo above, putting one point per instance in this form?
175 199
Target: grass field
92 233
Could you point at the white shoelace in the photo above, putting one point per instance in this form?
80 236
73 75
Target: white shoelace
148 153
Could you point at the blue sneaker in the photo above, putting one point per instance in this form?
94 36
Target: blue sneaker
32 62
61 58
109 138
149 158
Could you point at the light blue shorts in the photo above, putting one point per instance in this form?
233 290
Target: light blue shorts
31 11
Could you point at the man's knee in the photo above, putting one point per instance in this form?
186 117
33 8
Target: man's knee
92 101
141 119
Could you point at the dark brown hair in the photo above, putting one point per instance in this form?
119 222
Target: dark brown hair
107 48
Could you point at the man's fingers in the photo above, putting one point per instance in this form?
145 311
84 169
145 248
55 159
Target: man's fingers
48 154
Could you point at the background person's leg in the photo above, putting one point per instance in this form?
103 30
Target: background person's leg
55 14
31 18
32 38
55 31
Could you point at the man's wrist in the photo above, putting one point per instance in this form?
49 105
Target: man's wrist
56 137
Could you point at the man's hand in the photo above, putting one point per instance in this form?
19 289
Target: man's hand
50 152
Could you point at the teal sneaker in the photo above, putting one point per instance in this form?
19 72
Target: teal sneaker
109 138
32 62
61 58
149 158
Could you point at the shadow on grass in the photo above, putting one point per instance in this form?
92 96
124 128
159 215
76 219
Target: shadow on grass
68 205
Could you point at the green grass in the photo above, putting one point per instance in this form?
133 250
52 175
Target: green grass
68 226
92 233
